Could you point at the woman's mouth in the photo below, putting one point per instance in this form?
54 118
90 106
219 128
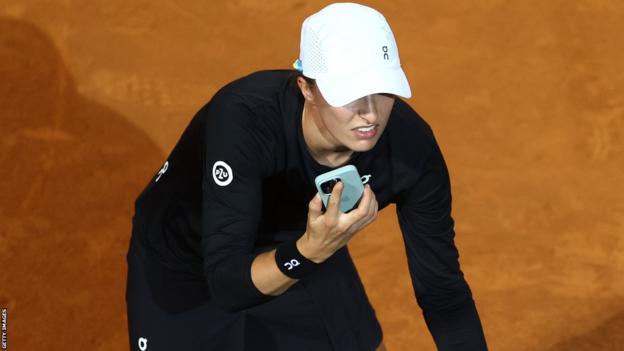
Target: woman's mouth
366 132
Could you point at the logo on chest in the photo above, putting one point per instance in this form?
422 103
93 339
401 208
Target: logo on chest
365 178
222 173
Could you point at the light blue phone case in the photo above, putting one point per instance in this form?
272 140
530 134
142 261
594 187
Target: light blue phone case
352 190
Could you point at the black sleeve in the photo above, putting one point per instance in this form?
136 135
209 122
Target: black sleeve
238 145
424 214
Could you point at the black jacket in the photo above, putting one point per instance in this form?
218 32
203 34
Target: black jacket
238 182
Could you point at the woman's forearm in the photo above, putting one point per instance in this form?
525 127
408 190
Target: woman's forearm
267 277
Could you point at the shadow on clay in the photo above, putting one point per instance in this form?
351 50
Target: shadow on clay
607 336
72 169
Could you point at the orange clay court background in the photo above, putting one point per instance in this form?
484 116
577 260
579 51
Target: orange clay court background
526 99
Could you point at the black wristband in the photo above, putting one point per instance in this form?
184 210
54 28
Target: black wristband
291 262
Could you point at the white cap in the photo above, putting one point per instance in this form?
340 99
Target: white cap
351 52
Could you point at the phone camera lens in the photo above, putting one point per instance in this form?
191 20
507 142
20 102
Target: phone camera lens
328 186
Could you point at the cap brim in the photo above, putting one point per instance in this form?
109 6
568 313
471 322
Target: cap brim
339 90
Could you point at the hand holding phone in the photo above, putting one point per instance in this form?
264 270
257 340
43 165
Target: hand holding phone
352 186
327 231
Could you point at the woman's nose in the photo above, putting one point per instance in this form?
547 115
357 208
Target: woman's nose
368 115
366 109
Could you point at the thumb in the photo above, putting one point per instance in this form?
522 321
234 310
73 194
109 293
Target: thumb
315 207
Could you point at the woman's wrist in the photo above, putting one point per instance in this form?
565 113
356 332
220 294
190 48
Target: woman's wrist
291 262
308 251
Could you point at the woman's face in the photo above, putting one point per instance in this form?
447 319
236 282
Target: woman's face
356 126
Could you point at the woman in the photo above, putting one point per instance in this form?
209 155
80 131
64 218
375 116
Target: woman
231 247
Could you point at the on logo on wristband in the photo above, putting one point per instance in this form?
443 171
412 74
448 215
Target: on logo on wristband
291 264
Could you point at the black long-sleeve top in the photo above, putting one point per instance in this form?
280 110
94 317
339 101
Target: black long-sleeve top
238 183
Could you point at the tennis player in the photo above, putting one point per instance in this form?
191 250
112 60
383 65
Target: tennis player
232 249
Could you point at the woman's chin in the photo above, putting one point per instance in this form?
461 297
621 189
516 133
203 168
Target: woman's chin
363 145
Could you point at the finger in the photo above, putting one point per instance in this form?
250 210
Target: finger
333 206
373 208
366 210
367 219
363 206
375 211
315 207
359 224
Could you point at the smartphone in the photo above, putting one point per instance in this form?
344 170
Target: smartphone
352 190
